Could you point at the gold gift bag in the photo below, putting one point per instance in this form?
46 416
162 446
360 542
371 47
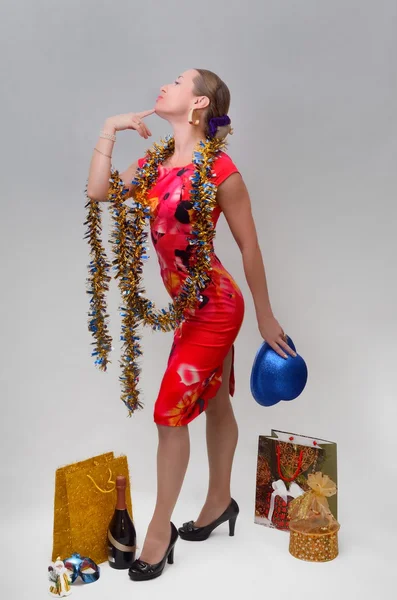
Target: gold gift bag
85 500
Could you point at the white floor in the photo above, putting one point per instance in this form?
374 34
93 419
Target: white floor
255 563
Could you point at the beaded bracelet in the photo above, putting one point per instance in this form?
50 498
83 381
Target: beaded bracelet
108 136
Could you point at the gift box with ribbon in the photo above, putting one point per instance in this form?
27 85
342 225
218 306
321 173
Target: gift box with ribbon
85 499
313 527
277 500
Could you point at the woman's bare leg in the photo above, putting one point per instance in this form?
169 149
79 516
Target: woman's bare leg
172 460
222 436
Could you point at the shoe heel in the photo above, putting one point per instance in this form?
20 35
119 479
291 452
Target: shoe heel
232 525
171 557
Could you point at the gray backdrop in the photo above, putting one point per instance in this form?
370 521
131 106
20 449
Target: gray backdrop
313 107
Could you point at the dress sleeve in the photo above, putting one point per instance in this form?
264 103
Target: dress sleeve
223 168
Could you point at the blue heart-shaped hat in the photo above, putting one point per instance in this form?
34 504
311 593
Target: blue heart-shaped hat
274 378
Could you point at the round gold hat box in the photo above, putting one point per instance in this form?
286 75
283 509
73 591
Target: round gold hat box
314 547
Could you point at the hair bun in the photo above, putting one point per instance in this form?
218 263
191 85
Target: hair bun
224 131
219 127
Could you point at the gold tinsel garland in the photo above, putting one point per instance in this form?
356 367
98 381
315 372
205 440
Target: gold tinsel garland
129 240
98 281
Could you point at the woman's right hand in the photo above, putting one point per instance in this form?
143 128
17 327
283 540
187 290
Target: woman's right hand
130 121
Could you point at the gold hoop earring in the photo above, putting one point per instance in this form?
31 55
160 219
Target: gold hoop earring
190 118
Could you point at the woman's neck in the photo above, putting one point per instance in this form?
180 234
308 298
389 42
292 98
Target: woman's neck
186 140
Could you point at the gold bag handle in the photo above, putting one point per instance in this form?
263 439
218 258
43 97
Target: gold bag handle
109 481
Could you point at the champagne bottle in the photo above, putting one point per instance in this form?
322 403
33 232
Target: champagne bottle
121 532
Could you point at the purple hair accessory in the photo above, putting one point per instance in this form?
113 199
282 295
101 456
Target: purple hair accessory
216 122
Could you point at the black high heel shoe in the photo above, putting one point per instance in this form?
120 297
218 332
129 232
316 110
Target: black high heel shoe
198 534
142 571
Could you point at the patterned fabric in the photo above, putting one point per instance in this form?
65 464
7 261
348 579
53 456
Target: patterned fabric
201 343
280 518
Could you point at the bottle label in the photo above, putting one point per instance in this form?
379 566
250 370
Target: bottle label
119 546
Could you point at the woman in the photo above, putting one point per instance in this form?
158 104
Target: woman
200 374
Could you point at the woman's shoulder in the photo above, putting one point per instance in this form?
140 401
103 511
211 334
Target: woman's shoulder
224 157
224 166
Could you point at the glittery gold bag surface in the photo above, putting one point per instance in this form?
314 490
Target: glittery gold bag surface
85 499
313 527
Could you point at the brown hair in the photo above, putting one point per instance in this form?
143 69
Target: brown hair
207 83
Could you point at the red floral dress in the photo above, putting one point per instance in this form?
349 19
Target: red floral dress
202 342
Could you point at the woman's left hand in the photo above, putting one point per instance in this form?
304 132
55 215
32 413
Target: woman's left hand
272 332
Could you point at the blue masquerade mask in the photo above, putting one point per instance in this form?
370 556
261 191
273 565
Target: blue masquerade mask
78 566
